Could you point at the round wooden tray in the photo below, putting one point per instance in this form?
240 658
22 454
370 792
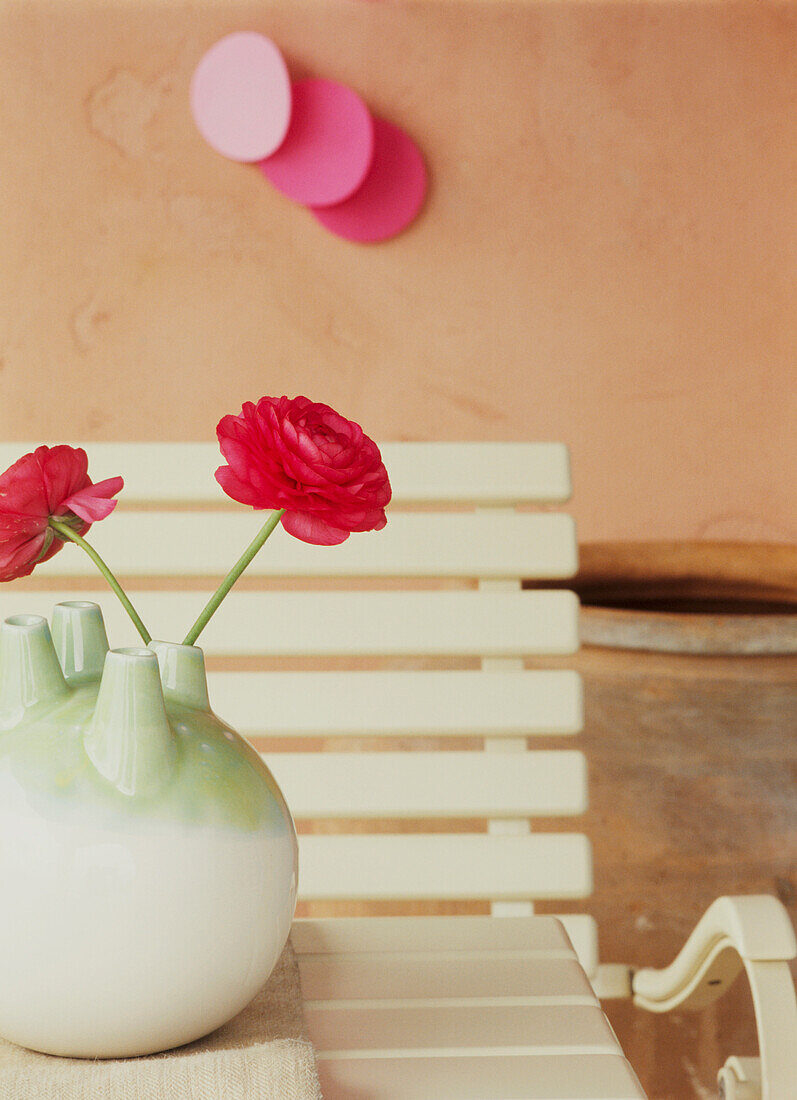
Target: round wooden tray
680 632
690 597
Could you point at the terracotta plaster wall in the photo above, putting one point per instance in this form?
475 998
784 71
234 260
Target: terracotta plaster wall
608 254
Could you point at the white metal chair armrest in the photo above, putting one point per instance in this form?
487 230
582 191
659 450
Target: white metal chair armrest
751 933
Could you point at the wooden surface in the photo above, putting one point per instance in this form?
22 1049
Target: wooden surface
698 634
693 781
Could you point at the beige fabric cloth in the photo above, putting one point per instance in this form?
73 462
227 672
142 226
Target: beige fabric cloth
263 1054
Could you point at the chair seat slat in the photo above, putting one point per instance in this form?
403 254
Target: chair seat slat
439 703
445 866
535 936
343 623
458 976
431 784
492 1077
475 544
582 930
532 937
486 473
519 1029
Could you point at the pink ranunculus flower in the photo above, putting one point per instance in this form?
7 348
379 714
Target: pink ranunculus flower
48 482
295 454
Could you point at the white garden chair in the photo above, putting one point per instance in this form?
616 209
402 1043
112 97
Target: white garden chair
403 1008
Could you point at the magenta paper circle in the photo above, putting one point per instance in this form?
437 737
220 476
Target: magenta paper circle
391 195
329 146
241 96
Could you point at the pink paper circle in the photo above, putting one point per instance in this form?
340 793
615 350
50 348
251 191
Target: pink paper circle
329 146
241 96
391 195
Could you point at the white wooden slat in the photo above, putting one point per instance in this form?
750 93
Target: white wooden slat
484 473
582 931
440 703
523 1077
444 866
469 544
413 1031
342 623
431 784
534 936
423 977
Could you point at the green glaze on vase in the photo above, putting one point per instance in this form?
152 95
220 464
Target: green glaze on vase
147 855
31 679
129 740
80 640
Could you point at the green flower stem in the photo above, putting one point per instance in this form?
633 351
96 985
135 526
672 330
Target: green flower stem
64 531
233 575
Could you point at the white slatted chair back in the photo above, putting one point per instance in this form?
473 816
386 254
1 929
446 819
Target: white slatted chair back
383 679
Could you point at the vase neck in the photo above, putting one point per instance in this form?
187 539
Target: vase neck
182 672
30 674
80 640
129 740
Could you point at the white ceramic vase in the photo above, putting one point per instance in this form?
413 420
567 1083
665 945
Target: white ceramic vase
147 858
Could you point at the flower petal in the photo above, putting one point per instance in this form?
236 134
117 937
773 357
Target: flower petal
94 502
64 471
239 490
313 529
22 490
19 557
